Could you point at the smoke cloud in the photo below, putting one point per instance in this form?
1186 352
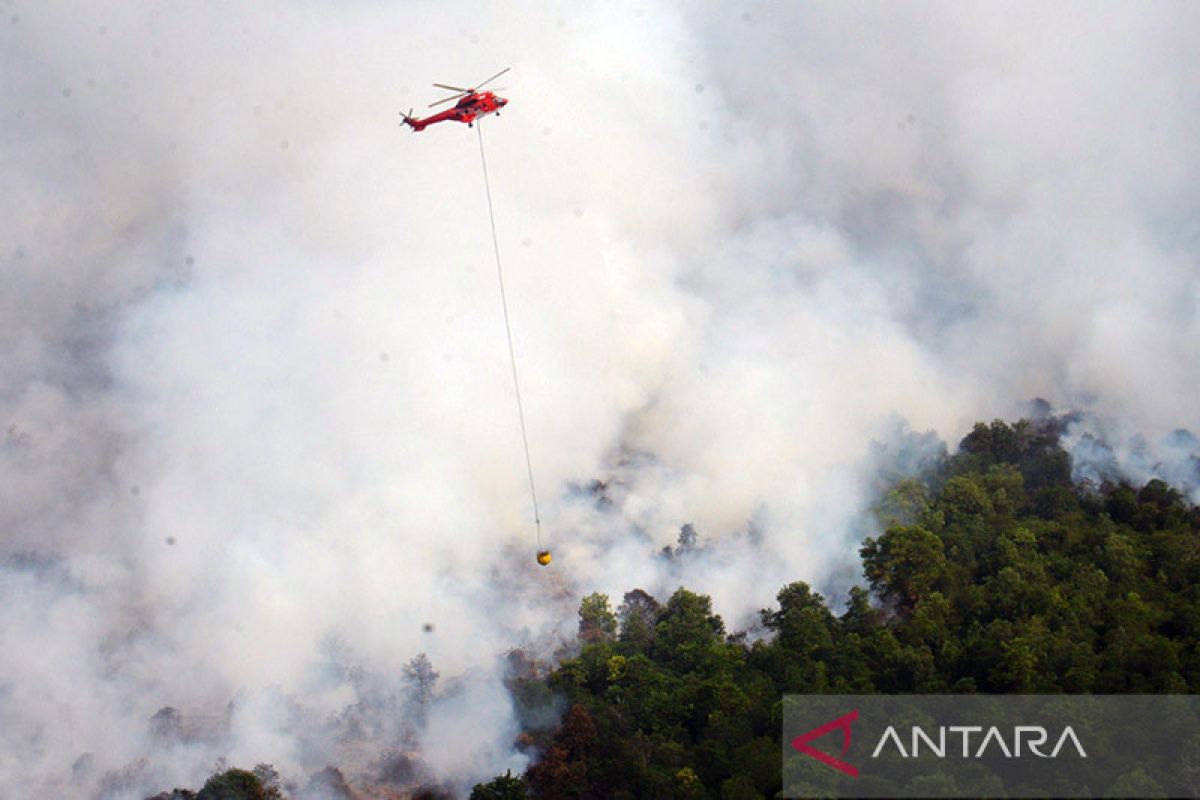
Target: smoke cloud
258 444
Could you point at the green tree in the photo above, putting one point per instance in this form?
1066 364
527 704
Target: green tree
236 784
637 616
903 565
597 622
686 631
688 786
502 787
803 622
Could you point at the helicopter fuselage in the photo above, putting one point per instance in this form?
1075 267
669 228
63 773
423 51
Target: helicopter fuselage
468 109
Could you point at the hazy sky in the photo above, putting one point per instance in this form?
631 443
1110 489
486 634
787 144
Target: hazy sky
256 417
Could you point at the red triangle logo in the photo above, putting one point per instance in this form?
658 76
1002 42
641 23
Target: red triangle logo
801 743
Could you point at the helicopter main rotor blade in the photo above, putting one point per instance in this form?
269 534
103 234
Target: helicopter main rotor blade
497 75
452 88
448 99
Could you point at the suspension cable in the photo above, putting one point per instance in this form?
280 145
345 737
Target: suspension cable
512 356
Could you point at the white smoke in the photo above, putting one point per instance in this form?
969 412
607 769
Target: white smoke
255 392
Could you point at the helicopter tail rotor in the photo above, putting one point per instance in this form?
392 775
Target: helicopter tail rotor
411 121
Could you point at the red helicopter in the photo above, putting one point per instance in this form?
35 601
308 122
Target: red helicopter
471 105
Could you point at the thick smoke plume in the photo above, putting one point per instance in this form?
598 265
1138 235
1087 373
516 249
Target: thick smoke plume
258 447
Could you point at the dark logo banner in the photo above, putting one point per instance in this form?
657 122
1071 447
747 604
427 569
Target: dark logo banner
991 746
